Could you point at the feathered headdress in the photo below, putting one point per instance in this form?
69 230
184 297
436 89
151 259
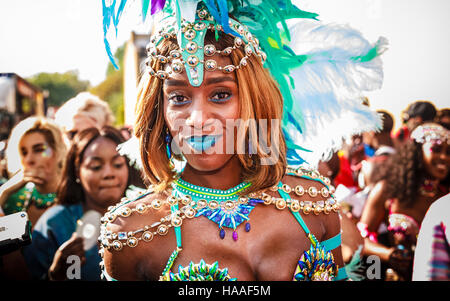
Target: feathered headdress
323 70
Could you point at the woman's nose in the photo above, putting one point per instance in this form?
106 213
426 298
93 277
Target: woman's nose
108 171
29 160
198 114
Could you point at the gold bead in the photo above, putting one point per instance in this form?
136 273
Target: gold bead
317 210
156 204
229 205
177 221
125 212
190 212
132 242
267 199
312 191
286 188
162 229
299 190
147 236
141 208
202 204
117 245
307 210
324 192
280 204
187 198
172 201
213 205
295 206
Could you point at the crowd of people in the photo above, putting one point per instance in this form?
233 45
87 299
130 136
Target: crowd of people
59 170
386 182
251 209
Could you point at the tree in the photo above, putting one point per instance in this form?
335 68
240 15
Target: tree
111 89
61 86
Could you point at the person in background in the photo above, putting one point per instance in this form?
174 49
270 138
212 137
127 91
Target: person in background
432 254
3 166
81 112
35 157
415 114
443 118
410 181
95 177
352 242
383 145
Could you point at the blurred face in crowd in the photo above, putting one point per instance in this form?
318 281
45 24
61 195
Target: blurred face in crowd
103 173
414 122
196 116
37 156
80 123
436 155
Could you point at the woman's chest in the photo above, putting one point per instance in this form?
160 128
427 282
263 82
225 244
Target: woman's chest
269 249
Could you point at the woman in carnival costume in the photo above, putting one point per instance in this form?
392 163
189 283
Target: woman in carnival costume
406 185
227 92
35 158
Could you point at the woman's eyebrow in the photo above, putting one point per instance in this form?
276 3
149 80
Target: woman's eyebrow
175 83
38 145
219 79
93 158
209 81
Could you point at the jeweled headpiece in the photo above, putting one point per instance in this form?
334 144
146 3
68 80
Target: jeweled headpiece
431 132
193 55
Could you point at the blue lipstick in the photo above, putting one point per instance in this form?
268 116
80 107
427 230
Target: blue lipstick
202 143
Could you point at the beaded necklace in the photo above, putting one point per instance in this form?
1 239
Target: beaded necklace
223 207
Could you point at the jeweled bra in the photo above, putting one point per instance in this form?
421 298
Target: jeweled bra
228 209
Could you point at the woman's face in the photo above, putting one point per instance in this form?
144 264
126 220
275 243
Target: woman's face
197 116
37 156
103 173
436 159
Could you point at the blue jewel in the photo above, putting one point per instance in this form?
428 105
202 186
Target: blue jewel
244 211
222 233
247 227
228 221
207 213
217 218
238 219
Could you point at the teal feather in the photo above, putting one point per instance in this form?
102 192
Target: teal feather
355 267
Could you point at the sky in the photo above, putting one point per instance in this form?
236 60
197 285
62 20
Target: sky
62 35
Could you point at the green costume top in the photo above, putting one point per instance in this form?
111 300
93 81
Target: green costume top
25 197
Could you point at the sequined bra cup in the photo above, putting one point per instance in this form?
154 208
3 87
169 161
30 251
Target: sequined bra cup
228 210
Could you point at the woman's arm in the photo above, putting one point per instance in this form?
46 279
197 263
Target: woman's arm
372 216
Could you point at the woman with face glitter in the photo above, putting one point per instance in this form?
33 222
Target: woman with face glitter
35 156
409 182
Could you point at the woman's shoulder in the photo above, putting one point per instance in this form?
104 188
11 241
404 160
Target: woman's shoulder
135 219
312 190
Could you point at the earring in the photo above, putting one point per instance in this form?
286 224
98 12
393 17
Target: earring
77 180
168 140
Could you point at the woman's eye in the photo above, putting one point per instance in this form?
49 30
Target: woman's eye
95 167
118 166
39 150
221 96
178 99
